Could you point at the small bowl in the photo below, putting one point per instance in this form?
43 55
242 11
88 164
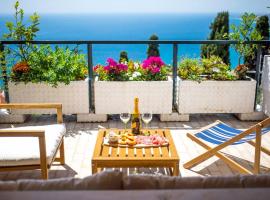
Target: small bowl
113 137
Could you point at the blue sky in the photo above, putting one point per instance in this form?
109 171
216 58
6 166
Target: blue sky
137 6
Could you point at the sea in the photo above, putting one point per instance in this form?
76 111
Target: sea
127 27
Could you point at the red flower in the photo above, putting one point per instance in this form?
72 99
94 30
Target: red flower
21 67
96 68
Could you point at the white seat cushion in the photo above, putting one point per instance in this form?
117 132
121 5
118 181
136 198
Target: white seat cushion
16 151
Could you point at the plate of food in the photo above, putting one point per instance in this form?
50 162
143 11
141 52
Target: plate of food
138 141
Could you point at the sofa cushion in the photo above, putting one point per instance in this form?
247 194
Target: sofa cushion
15 151
106 180
8 185
255 181
166 182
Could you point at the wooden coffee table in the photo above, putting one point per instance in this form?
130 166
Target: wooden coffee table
126 157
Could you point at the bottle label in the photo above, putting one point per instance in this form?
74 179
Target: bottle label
135 126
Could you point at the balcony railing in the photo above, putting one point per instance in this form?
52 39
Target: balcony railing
175 45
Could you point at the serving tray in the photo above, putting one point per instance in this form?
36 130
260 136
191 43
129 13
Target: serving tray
107 143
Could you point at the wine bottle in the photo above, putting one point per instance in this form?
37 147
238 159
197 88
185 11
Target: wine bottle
135 120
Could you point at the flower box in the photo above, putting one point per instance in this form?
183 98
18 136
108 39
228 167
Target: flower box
114 97
74 96
216 96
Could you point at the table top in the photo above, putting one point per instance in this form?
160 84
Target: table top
165 153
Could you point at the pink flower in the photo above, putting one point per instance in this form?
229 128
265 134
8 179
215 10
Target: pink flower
115 68
155 70
122 67
146 64
153 64
111 62
107 68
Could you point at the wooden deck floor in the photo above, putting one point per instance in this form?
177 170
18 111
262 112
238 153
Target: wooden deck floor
80 140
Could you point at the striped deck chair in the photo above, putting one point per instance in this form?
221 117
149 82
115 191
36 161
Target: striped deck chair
223 135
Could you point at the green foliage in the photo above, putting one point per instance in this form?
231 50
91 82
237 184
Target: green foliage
262 26
212 68
153 49
100 72
123 57
246 31
211 64
2 66
216 69
190 69
52 66
219 31
38 64
21 31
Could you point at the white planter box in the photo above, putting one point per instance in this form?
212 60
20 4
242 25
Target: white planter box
74 96
114 97
216 96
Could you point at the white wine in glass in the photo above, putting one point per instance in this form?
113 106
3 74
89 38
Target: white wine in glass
125 117
147 117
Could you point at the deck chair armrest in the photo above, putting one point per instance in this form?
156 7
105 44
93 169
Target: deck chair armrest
57 106
30 133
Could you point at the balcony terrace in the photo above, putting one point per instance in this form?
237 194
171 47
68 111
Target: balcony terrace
67 129
81 137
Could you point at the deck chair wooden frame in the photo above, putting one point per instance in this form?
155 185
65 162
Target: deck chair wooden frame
40 134
215 151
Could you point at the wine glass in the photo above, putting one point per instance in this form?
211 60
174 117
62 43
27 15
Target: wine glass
147 117
125 117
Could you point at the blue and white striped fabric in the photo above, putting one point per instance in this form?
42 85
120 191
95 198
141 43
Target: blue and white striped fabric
221 132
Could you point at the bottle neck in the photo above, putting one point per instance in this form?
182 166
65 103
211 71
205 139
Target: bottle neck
136 106
136 109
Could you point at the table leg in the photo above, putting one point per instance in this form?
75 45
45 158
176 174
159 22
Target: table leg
100 169
94 168
176 169
171 170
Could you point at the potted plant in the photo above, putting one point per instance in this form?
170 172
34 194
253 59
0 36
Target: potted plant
117 84
209 86
42 74
51 75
